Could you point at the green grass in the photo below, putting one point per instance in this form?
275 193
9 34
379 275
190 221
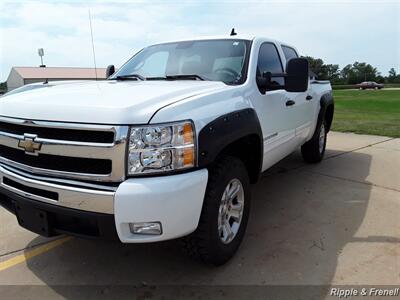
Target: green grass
374 112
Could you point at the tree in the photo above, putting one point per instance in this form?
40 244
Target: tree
380 79
393 77
351 73
323 71
364 72
315 65
347 72
359 72
331 71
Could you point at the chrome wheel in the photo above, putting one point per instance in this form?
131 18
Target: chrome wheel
231 211
322 138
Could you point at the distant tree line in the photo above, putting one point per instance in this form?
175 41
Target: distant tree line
350 74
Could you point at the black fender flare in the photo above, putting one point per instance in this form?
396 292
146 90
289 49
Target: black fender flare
325 101
224 131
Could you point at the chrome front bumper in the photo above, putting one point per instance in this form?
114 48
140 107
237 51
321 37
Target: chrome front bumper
71 194
174 201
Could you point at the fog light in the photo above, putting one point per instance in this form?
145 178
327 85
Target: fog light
153 228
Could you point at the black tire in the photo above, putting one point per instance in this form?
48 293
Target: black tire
205 243
311 150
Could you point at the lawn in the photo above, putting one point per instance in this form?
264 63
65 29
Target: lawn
374 112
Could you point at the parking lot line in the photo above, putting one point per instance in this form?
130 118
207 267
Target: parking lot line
32 253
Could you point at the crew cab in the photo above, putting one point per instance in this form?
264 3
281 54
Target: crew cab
165 148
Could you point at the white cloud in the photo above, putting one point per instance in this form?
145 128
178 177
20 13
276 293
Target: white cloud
338 32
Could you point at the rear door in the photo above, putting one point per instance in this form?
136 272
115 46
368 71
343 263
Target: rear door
303 108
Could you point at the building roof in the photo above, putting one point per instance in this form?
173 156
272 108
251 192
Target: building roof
59 72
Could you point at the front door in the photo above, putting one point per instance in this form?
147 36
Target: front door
274 113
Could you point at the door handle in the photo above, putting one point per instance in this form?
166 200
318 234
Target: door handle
290 103
309 97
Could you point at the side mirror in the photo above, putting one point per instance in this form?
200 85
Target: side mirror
110 70
296 78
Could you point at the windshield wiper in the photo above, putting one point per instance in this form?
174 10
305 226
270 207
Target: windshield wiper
129 77
167 77
178 77
184 76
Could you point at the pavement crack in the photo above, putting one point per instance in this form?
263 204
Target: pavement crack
318 244
287 170
28 248
353 180
360 148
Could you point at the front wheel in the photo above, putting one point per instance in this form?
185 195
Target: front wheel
313 151
224 216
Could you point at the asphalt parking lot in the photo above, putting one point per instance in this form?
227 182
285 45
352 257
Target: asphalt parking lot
332 223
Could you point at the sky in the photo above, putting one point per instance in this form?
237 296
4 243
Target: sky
339 32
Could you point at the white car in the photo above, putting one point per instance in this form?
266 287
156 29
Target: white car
166 147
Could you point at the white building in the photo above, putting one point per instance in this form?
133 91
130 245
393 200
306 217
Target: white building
20 76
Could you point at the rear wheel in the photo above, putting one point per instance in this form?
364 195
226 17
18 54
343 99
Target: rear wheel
313 151
223 220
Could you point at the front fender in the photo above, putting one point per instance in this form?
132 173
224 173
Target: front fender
225 130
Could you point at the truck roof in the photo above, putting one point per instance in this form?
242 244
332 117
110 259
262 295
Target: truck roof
224 37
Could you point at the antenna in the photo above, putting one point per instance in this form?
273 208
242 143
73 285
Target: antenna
94 54
233 32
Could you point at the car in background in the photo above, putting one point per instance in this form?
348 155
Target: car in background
369 85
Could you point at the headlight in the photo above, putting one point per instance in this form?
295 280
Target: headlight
161 148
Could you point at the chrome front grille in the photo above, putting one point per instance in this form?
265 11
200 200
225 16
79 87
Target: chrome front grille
64 150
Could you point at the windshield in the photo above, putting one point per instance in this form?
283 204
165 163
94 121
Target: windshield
216 60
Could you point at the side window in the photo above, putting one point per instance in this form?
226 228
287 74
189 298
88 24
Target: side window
289 53
269 61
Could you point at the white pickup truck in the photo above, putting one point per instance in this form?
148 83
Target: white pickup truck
166 147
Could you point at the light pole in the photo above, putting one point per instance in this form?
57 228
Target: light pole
41 54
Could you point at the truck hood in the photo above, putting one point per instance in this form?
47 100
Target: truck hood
100 102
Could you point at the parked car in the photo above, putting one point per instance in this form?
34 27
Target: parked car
370 85
166 148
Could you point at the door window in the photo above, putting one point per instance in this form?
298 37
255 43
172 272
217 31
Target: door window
269 61
289 53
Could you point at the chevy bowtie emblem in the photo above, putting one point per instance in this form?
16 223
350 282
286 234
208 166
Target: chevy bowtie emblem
29 144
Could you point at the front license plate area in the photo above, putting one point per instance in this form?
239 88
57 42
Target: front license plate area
32 218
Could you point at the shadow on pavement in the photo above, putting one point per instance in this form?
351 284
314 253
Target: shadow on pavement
300 223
